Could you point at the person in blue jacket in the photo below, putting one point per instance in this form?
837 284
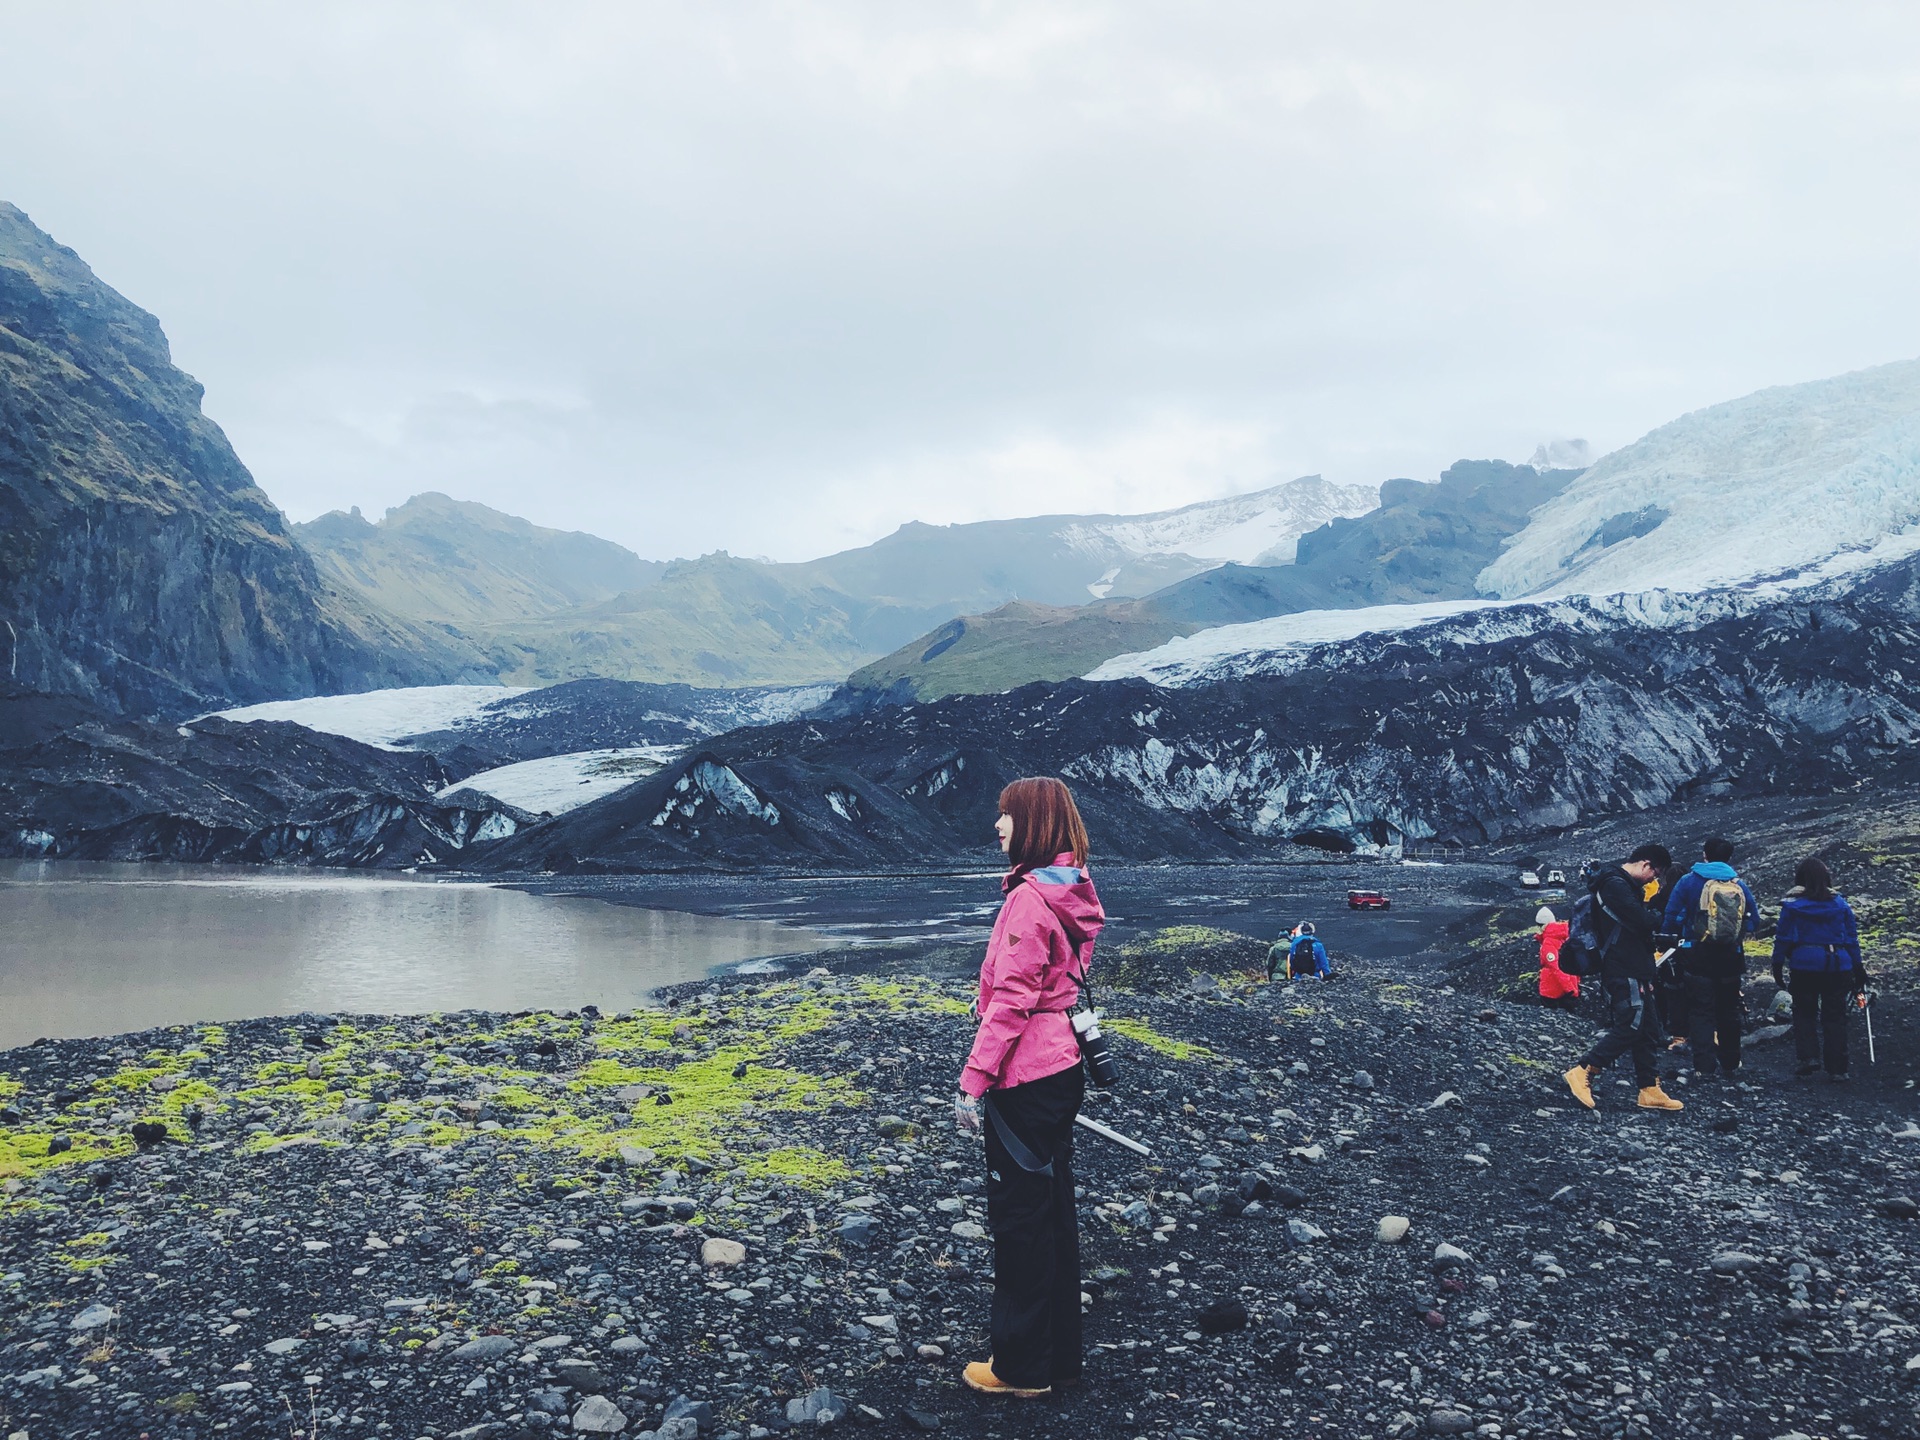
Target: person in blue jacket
1302 953
1818 941
1713 911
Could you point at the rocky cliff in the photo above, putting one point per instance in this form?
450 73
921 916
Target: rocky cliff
139 563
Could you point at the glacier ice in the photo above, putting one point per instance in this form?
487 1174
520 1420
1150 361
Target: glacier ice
1757 486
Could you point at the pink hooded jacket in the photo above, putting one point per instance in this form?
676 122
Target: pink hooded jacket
1041 940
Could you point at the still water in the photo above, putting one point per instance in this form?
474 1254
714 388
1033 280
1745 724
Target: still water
93 949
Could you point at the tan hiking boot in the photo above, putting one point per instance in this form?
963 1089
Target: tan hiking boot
980 1376
1580 1080
1654 1098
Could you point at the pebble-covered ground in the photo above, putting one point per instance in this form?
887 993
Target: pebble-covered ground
1371 1211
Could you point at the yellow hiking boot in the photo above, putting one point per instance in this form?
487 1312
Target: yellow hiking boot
980 1376
1580 1080
1654 1098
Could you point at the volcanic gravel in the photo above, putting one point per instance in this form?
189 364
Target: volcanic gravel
1371 1210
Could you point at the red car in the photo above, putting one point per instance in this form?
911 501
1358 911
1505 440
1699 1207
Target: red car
1367 900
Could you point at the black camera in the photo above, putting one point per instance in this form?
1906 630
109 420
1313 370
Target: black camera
1093 1048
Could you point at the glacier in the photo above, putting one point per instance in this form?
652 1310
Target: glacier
1768 483
555 784
382 717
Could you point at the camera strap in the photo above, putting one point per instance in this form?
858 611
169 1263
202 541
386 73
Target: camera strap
1022 1156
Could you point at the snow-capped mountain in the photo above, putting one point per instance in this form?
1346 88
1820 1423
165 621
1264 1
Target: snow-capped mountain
1261 528
1801 487
1759 486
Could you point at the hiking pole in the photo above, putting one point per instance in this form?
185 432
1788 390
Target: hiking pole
1866 1008
1114 1135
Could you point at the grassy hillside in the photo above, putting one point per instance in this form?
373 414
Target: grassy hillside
439 561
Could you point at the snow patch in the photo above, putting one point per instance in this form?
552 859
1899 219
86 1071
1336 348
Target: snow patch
559 783
382 717
1262 526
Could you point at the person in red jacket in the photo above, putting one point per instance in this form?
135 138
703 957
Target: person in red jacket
1023 1084
1557 988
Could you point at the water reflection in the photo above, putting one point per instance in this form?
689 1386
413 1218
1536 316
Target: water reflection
92 949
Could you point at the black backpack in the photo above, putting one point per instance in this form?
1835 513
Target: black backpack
1302 950
1584 950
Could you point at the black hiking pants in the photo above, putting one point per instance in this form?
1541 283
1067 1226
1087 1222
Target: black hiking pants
1820 1017
1714 1006
1631 1027
1035 1321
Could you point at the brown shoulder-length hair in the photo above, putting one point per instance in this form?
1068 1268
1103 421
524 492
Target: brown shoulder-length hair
1046 822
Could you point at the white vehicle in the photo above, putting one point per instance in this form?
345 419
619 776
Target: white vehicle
1530 879
1556 877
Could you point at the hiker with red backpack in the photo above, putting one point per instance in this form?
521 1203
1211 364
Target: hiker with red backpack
1611 934
1714 912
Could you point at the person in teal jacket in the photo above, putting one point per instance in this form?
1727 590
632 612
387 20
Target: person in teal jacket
1711 965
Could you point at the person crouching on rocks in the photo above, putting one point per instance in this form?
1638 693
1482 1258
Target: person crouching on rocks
1023 1085
1818 939
1626 925
1301 953
1557 988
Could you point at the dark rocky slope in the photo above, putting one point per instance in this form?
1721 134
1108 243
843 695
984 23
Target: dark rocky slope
77 783
1425 542
139 563
1514 723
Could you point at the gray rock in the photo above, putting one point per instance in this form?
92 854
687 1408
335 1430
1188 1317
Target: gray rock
685 1407
1734 1262
1392 1229
1449 1422
1361 1080
893 1126
1301 1232
1449 1257
487 1348
93 1317
681 1427
719 1254
857 1230
969 1229
625 1345
598 1415
282 1347
819 1408
634 1157
1137 1214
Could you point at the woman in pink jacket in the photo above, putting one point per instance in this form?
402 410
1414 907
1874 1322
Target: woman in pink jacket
1023 1085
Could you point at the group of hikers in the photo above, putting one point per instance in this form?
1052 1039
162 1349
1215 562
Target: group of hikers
1667 946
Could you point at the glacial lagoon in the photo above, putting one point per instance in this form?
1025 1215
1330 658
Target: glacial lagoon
100 949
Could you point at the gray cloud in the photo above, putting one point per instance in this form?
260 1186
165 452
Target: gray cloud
777 277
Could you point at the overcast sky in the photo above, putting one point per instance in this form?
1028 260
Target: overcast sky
775 278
